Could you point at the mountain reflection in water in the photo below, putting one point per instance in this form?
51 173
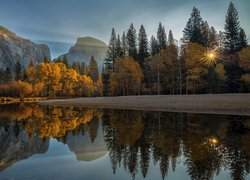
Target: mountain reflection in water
138 144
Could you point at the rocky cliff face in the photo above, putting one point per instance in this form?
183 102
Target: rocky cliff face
14 48
84 149
17 145
84 49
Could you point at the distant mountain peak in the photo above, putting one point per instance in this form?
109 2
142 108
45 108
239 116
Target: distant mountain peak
84 48
90 41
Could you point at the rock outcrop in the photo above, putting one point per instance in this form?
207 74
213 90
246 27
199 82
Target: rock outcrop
85 48
14 48
17 144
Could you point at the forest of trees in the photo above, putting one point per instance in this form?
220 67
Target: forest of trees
206 61
52 79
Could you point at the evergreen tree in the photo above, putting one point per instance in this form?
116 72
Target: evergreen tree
18 69
45 59
193 30
75 66
170 38
83 69
154 47
143 45
232 45
232 29
221 41
131 42
212 80
243 39
205 33
124 45
65 61
213 38
111 53
7 76
109 62
118 48
161 37
93 69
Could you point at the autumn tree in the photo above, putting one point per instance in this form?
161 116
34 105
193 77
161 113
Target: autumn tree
196 68
93 69
244 55
154 69
170 56
128 77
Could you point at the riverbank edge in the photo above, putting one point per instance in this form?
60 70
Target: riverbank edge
231 104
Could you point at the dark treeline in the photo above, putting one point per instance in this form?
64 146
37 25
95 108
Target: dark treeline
205 61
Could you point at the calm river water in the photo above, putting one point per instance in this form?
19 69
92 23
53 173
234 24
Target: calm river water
45 142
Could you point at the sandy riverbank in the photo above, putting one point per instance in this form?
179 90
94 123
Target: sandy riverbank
235 104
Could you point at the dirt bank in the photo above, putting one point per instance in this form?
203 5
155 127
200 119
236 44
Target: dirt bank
235 104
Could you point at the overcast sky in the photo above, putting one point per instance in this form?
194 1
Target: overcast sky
54 21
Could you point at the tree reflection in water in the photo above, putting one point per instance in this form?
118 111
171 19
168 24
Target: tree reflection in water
206 144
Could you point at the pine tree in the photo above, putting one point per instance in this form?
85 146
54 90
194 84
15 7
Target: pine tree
18 69
243 39
83 69
45 59
213 38
124 45
161 37
109 62
154 47
205 33
193 30
93 69
131 41
7 76
143 45
170 38
111 53
232 45
75 66
65 61
118 48
232 29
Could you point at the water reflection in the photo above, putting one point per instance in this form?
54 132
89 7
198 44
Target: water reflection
205 144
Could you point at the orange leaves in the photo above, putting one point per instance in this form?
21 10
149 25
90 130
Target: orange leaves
127 78
52 79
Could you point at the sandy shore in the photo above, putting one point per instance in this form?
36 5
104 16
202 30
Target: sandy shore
235 104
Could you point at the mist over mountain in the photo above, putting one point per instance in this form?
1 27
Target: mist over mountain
15 48
84 48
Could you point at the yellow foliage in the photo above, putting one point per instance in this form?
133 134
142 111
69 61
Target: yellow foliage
127 78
